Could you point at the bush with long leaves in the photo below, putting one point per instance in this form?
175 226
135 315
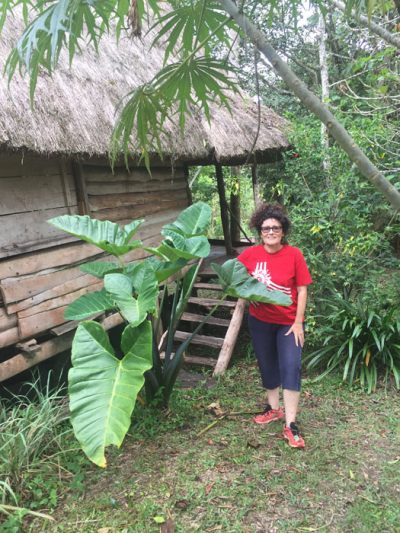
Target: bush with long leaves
362 341
104 381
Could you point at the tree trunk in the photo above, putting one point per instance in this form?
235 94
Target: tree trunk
224 209
390 38
323 64
311 102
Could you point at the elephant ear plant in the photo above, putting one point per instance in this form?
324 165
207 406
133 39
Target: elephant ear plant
104 380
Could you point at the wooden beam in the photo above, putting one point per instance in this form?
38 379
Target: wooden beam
214 321
230 338
224 209
256 185
203 340
19 363
210 302
235 205
8 337
81 191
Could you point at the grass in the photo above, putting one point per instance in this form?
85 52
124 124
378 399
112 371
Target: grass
172 475
33 430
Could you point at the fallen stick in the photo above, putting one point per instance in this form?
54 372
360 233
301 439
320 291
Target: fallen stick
225 415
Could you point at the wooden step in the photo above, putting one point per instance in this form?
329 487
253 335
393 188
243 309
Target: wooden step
208 286
193 317
210 302
203 361
194 359
203 340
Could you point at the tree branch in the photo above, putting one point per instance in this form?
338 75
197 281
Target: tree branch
390 38
311 102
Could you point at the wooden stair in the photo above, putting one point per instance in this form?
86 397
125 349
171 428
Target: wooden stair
231 327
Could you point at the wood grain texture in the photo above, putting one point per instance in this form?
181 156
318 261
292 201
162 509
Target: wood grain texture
30 230
141 187
8 337
17 364
7 321
230 338
23 287
135 199
48 314
27 193
203 340
47 259
84 281
135 174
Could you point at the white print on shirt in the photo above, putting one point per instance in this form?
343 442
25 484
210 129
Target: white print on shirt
261 273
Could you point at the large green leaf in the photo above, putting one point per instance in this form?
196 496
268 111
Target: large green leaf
100 268
194 220
187 247
120 289
103 388
145 285
105 234
236 282
88 305
164 269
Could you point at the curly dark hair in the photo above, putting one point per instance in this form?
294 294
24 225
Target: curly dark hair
265 211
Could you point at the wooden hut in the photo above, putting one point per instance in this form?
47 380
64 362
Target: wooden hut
54 160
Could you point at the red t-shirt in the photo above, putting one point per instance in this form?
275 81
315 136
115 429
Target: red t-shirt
284 271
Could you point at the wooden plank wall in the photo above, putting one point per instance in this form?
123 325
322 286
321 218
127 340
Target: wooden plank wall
36 287
32 190
136 194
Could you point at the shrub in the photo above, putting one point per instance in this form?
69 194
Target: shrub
362 341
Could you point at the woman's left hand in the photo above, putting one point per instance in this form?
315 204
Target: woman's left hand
298 332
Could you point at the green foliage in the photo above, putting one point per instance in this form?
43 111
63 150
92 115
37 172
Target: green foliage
167 361
103 388
362 341
107 235
99 269
120 287
89 304
190 24
236 282
32 430
107 382
184 238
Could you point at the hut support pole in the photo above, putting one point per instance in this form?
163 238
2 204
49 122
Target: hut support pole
224 209
81 192
235 205
256 185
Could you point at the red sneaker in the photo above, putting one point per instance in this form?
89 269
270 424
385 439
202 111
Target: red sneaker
292 435
269 415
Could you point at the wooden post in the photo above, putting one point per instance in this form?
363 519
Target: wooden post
224 209
256 185
81 192
188 189
235 205
230 338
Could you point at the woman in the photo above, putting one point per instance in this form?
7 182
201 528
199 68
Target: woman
277 332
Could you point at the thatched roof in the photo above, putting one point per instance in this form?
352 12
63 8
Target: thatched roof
74 110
